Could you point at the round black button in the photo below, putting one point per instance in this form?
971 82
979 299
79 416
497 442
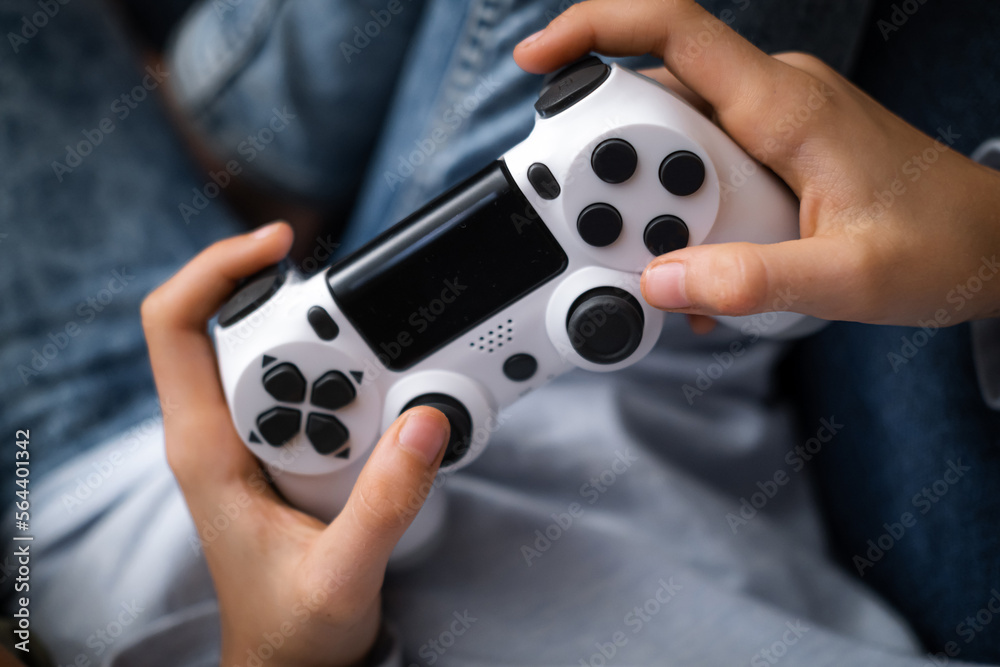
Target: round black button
614 161
665 234
605 325
520 367
458 417
682 173
599 224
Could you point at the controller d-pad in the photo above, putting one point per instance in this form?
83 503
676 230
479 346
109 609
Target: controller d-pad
614 161
326 433
279 425
333 391
285 383
599 224
682 173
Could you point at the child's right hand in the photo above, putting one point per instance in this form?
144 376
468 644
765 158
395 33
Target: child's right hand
896 227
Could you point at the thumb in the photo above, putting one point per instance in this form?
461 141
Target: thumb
813 276
390 490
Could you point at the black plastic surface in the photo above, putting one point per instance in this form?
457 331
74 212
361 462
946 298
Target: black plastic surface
322 323
599 224
520 367
542 180
285 383
279 425
605 325
570 85
664 234
251 294
332 391
326 433
682 173
614 161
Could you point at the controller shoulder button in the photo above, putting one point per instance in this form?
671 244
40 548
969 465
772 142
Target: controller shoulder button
682 173
520 367
614 161
570 85
279 425
543 181
664 234
285 383
252 294
599 224
333 391
322 323
326 433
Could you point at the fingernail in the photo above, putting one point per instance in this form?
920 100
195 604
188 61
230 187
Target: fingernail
266 230
531 38
422 434
664 286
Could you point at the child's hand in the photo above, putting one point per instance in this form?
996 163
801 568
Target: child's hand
278 574
896 227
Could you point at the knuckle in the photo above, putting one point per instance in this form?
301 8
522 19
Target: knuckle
738 282
381 506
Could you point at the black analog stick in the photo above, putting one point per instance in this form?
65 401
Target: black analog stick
605 325
458 417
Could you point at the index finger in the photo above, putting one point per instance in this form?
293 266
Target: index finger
702 51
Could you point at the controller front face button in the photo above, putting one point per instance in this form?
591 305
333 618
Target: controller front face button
254 291
458 417
605 325
682 173
543 181
571 85
333 391
326 433
279 425
285 383
614 161
322 323
599 224
664 234
520 367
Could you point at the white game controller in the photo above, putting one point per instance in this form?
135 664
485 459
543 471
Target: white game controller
524 271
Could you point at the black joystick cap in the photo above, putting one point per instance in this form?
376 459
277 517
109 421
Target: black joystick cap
251 294
458 417
614 161
664 234
570 85
605 325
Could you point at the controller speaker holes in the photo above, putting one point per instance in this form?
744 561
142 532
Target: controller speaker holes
494 337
